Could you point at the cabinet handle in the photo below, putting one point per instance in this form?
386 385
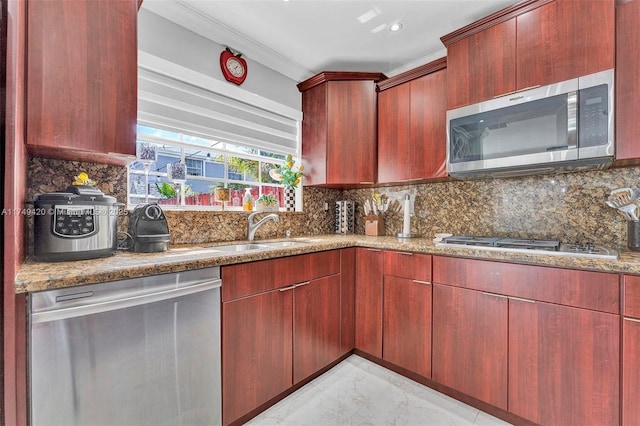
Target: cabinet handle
291 287
632 319
369 249
521 299
422 282
495 295
301 284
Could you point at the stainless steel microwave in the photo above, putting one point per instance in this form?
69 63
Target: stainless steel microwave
563 126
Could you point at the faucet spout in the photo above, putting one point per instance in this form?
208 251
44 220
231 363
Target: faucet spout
253 227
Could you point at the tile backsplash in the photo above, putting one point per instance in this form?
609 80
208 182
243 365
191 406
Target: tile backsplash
569 206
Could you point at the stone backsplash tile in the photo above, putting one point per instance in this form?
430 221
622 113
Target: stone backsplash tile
567 206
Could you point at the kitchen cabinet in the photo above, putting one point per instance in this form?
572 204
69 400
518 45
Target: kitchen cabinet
280 324
369 275
339 128
555 332
529 44
631 351
81 79
470 340
407 311
412 125
627 83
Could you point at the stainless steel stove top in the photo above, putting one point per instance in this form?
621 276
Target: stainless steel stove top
530 246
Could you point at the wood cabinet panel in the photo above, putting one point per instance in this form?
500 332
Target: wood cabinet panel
563 364
347 300
627 81
81 77
351 132
428 115
482 65
407 324
394 134
254 277
407 265
257 342
630 376
470 343
591 290
369 276
316 326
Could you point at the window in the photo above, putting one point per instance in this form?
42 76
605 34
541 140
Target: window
209 164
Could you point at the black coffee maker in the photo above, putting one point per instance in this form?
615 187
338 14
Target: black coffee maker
148 229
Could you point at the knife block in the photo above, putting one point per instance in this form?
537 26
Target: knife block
374 225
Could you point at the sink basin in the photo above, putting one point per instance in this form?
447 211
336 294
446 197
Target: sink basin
283 243
239 247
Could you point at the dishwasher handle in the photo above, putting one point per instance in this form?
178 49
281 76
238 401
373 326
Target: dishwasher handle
126 302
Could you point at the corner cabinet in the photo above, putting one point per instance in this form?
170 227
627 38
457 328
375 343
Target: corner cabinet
81 79
531 43
412 125
339 127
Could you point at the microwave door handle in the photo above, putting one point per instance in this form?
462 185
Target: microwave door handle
572 120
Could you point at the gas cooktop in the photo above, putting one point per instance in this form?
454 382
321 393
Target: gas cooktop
531 246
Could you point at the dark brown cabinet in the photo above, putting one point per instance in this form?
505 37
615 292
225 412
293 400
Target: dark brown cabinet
631 351
339 128
470 343
280 324
81 79
627 81
412 126
369 273
547 339
530 44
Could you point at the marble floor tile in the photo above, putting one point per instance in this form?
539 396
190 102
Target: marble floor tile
359 392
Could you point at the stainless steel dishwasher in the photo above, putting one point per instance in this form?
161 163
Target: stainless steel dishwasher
142 351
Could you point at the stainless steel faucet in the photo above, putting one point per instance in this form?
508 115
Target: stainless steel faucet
252 228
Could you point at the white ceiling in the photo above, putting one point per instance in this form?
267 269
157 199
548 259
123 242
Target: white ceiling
300 38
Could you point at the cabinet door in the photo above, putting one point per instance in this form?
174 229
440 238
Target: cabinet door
482 65
470 343
369 301
351 132
627 82
256 351
81 77
428 126
630 376
564 39
394 134
316 325
347 300
563 364
407 324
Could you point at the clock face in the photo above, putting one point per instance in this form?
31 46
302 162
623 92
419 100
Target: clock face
235 67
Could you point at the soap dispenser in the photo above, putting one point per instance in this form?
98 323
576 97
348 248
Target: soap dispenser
247 200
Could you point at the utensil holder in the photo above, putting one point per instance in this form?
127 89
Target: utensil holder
633 235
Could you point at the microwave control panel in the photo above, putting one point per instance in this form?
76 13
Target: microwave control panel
594 115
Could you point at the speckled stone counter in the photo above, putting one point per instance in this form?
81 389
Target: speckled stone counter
37 276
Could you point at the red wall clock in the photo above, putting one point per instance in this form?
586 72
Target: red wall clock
233 67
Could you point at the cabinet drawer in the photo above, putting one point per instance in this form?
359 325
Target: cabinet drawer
632 296
583 289
407 265
255 277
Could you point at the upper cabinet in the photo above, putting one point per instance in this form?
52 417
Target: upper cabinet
339 128
627 81
532 43
81 79
412 125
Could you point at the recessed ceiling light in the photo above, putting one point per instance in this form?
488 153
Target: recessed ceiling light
395 27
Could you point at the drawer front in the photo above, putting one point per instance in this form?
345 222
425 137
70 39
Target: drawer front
632 296
249 278
598 291
407 265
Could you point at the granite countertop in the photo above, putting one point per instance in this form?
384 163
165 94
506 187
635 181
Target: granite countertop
37 276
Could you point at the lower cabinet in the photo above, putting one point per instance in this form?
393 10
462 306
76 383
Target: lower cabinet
470 339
